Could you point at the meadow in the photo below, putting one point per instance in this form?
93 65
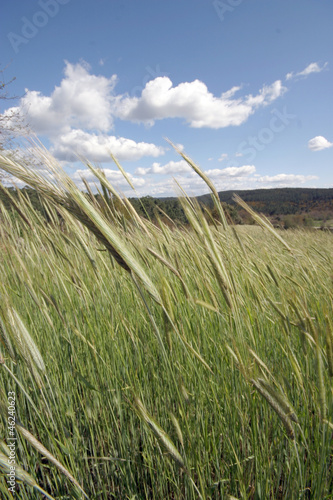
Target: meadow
153 361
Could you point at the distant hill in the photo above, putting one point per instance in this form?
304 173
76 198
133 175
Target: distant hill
286 207
280 201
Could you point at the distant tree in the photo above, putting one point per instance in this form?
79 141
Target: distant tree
231 212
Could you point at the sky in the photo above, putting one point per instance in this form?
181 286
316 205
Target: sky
243 87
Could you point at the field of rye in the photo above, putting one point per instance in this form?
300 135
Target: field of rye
150 361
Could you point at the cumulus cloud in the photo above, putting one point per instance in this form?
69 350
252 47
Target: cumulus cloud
311 68
181 167
286 179
237 178
97 148
77 117
172 167
231 178
231 171
318 143
81 100
193 102
115 177
194 185
223 179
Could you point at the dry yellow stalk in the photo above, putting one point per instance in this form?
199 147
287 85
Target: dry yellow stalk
162 436
276 407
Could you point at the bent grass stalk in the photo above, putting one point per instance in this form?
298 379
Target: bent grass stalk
209 183
21 475
41 449
261 221
163 439
277 407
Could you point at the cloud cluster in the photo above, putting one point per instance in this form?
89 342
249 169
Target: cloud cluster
82 100
77 143
318 143
193 102
194 185
230 178
231 172
115 177
286 179
182 167
80 115
88 102
170 168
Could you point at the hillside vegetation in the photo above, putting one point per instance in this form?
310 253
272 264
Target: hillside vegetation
285 207
153 361
282 200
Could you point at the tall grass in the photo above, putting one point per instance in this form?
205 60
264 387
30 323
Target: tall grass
158 362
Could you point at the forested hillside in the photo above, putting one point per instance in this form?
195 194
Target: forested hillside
286 207
283 201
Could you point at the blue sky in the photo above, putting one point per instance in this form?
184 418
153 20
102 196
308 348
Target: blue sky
244 87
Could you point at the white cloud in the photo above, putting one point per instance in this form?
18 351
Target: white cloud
182 167
172 167
223 179
287 179
311 68
89 102
245 178
227 178
231 171
193 102
81 100
10 180
115 177
97 148
223 156
77 117
318 143
232 178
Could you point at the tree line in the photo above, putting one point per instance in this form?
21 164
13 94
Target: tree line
286 207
